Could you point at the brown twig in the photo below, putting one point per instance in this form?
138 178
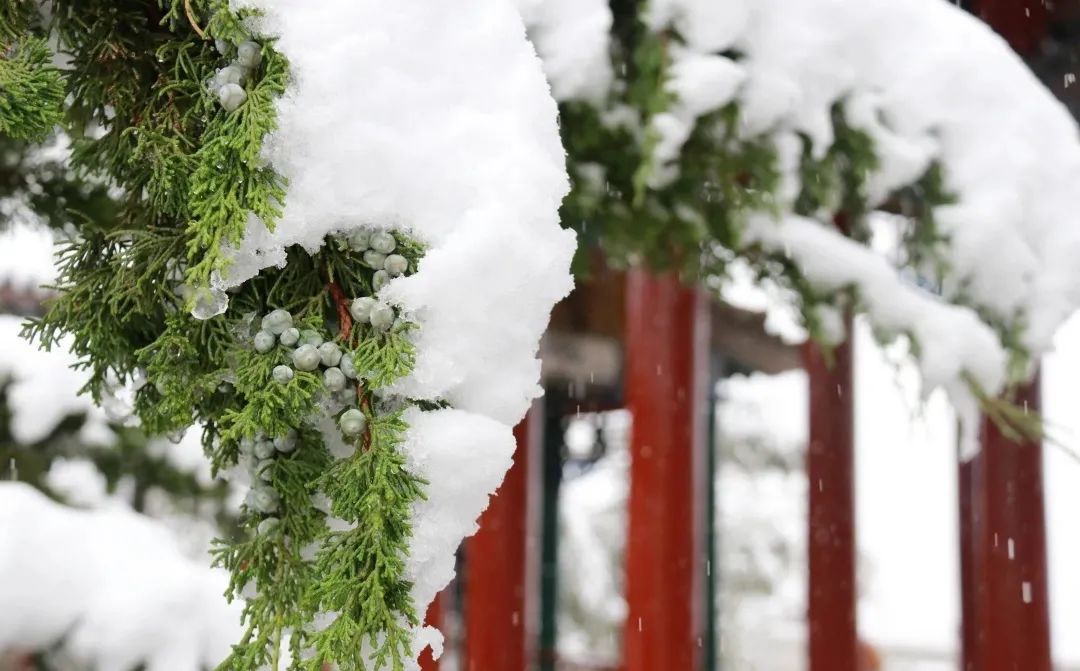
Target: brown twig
191 19
341 303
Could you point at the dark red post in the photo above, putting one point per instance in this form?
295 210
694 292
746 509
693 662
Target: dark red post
830 471
1006 613
433 618
1024 23
666 373
496 608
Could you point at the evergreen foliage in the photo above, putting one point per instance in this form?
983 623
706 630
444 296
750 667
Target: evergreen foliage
689 217
163 181
31 89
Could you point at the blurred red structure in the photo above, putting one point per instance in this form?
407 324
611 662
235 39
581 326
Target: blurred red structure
496 611
830 472
665 359
433 618
1006 615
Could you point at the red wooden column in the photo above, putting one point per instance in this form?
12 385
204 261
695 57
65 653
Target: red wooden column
666 373
496 608
1006 614
830 470
1024 23
433 618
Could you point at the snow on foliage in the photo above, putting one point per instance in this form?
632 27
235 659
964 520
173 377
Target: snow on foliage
112 584
928 83
933 89
433 119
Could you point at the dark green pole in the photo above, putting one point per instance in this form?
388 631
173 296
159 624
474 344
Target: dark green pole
549 561
712 539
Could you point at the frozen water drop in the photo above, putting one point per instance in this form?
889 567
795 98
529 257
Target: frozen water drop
209 303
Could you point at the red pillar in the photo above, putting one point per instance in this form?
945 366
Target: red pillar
496 609
666 374
830 470
1006 614
433 618
1024 23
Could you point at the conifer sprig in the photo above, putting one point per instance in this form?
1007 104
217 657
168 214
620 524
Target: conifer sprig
186 178
31 88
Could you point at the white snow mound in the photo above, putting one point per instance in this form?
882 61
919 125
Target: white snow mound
111 581
434 119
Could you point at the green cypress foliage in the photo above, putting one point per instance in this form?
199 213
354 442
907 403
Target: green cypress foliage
163 179
31 89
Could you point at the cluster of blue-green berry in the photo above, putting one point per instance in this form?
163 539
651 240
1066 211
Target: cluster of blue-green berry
378 248
228 82
310 353
257 454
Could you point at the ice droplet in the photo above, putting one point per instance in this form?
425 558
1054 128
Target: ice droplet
209 303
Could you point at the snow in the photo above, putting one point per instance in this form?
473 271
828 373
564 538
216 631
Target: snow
952 340
592 526
44 389
26 255
439 122
765 410
705 25
929 72
927 82
920 77
1061 473
909 606
435 120
571 37
113 582
463 457
701 84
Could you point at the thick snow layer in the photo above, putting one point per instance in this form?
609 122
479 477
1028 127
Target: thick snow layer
113 582
435 119
952 339
929 82
940 84
572 38
463 457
